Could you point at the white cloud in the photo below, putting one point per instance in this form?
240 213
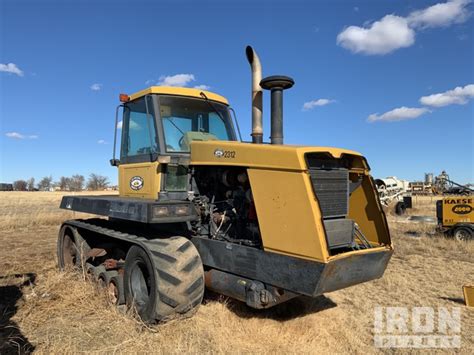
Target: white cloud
176 80
381 37
398 114
96 87
11 68
133 125
394 32
149 82
202 87
101 141
440 15
17 135
314 103
459 96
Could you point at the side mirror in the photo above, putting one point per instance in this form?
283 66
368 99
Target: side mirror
114 162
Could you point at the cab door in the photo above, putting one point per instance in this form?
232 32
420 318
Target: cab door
139 170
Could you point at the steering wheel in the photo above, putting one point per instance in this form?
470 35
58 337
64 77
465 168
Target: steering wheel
181 140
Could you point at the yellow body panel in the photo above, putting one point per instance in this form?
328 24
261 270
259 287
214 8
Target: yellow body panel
366 211
151 180
268 156
458 209
469 295
169 90
288 212
288 215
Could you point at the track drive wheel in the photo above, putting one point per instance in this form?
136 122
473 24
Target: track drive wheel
166 284
463 233
71 249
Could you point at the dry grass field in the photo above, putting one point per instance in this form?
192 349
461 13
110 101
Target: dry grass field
47 311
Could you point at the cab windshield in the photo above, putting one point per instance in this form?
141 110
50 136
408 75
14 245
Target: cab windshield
186 120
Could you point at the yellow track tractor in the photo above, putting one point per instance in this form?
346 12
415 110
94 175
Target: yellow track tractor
198 208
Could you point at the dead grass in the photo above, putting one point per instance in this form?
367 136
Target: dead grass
20 210
54 312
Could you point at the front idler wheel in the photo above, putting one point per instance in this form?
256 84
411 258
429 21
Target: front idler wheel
71 249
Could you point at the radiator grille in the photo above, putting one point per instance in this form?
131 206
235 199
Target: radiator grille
332 191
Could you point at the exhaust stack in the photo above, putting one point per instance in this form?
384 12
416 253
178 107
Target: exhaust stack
257 125
277 84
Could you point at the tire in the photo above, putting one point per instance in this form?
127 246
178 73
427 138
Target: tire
400 208
166 284
71 249
141 284
463 234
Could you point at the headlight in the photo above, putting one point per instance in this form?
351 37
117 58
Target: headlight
181 210
160 211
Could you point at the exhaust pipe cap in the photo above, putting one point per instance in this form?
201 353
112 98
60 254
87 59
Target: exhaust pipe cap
277 82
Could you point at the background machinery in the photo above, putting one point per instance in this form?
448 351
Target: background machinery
197 208
394 194
456 216
444 185
440 185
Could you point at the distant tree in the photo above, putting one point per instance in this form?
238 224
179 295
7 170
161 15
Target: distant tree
45 183
97 182
76 182
30 184
20 185
64 183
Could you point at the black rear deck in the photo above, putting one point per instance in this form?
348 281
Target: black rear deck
131 209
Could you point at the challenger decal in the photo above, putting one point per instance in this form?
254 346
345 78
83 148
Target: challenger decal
229 154
136 183
218 153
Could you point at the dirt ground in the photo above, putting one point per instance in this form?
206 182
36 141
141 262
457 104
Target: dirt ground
47 311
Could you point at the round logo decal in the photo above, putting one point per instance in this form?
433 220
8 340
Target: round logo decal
136 183
462 209
218 153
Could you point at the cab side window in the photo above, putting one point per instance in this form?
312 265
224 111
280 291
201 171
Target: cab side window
139 139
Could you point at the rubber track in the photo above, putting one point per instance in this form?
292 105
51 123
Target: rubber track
177 263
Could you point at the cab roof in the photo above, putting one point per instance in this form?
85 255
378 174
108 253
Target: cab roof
179 91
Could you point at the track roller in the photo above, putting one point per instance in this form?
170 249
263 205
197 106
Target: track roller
112 282
115 290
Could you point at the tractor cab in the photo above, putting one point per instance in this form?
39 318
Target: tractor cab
164 120
158 125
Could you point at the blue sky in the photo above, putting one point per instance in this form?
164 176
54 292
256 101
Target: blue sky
391 79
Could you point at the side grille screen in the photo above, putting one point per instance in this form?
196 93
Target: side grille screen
332 191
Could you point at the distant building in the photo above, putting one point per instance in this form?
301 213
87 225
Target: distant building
6 187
